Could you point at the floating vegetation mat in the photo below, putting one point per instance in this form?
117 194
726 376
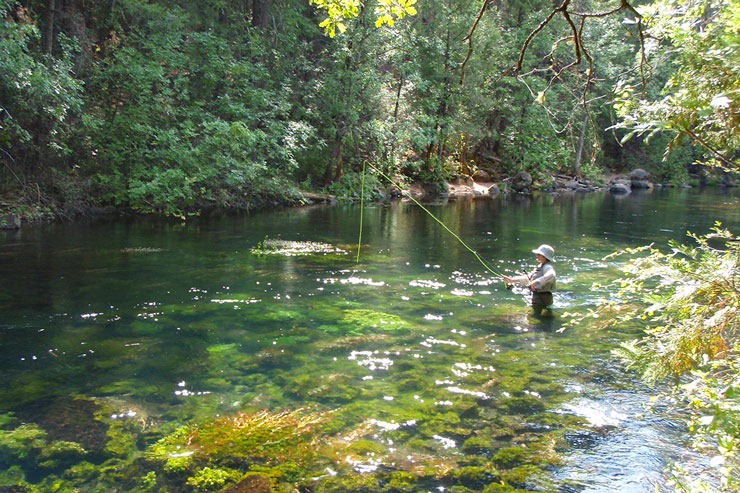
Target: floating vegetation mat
142 250
296 248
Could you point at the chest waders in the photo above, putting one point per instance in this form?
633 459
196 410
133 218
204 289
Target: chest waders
540 299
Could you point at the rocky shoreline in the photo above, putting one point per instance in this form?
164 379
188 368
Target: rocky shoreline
478 185
481 185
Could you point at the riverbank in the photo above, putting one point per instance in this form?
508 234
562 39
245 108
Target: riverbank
16 213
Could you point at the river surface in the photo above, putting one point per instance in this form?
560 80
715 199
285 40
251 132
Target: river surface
169 322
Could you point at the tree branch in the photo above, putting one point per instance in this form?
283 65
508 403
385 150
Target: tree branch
469 39
714 151
539 28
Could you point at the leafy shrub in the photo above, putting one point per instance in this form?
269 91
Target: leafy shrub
693 335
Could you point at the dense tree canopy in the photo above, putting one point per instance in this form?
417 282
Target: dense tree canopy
161 107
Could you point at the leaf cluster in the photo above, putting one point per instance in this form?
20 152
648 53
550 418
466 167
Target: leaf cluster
701 99
689 300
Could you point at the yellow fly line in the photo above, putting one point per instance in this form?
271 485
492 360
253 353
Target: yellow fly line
406 192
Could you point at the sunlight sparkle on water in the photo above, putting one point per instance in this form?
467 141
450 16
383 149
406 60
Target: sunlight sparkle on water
247 302
458 390
423 283
431 341
596 413
364 467
446 442
371 362
462 292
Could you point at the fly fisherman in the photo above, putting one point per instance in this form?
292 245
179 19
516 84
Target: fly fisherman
541 282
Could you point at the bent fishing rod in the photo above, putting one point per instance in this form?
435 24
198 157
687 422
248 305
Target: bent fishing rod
488 267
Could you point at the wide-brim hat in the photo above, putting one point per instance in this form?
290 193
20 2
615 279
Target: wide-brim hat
546 251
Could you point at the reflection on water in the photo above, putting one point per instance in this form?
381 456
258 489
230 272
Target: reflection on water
425 354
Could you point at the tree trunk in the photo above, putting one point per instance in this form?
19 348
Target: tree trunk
261 11
49 28
401 81
339 157
579 149
444 104
335 173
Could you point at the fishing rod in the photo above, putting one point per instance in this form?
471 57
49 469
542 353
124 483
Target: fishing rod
406 192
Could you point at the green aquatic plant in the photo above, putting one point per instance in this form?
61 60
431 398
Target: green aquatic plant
262 435
22 443
401 481
13 476
357 322
509 457
286 472
475 477
6 419
59 453
81 473
172 449
523 475
476 445
355 482
213 479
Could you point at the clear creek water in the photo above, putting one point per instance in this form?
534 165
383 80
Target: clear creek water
170 322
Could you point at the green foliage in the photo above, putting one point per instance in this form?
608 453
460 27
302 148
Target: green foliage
169 108
39 98
338 10
701 99
189 120
692 334
349 187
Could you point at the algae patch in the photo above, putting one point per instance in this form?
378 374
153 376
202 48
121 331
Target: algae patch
290 248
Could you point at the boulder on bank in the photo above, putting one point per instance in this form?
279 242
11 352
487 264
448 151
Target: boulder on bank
463 180
481 176
417 191
620 185
620 188
10 221
639 178
521 181
639 174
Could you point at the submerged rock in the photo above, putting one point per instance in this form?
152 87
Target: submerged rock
68 420
251 484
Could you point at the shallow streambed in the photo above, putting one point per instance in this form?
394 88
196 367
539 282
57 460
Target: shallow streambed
118 334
